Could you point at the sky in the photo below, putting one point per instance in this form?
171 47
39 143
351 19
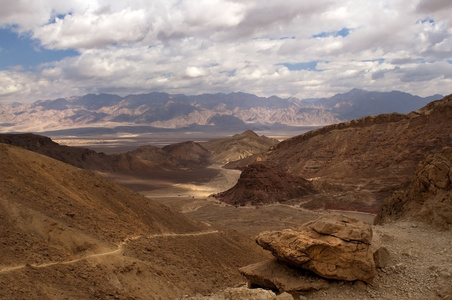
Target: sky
292 48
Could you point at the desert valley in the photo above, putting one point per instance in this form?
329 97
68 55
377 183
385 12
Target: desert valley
360 208
225 150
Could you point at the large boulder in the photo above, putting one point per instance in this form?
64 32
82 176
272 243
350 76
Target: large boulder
332 247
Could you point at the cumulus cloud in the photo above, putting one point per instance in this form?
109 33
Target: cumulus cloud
181 46
94 30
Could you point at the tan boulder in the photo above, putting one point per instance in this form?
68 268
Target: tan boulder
332 247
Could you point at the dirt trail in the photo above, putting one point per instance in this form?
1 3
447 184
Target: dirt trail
118 250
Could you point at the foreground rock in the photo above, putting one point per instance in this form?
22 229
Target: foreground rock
337 248
242 293
273 275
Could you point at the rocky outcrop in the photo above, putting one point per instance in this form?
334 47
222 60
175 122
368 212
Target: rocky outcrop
265 184
428 197
335 248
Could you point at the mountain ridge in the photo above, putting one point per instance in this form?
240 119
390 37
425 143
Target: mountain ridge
220 111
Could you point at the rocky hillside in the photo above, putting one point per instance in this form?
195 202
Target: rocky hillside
428 197
364 160
374 146
147 158
79 157
189 154
238 111
143 159
69 234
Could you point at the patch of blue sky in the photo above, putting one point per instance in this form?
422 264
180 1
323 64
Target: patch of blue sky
449 61
21 50
309 66
403 61
55 16
229 73
380 60
426 20
287 38
343 33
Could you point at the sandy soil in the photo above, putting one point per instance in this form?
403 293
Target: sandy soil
223 180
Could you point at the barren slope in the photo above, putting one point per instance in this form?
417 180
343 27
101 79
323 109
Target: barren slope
68 233
145 159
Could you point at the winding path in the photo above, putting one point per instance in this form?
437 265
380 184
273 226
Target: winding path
119 250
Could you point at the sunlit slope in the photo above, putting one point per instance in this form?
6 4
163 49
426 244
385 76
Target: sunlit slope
68 233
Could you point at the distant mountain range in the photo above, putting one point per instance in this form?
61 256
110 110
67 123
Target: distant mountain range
234 111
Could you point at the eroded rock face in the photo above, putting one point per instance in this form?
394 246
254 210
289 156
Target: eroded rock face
435 172
428 198
335 248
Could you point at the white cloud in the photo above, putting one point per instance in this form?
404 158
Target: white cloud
182 46
94 30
